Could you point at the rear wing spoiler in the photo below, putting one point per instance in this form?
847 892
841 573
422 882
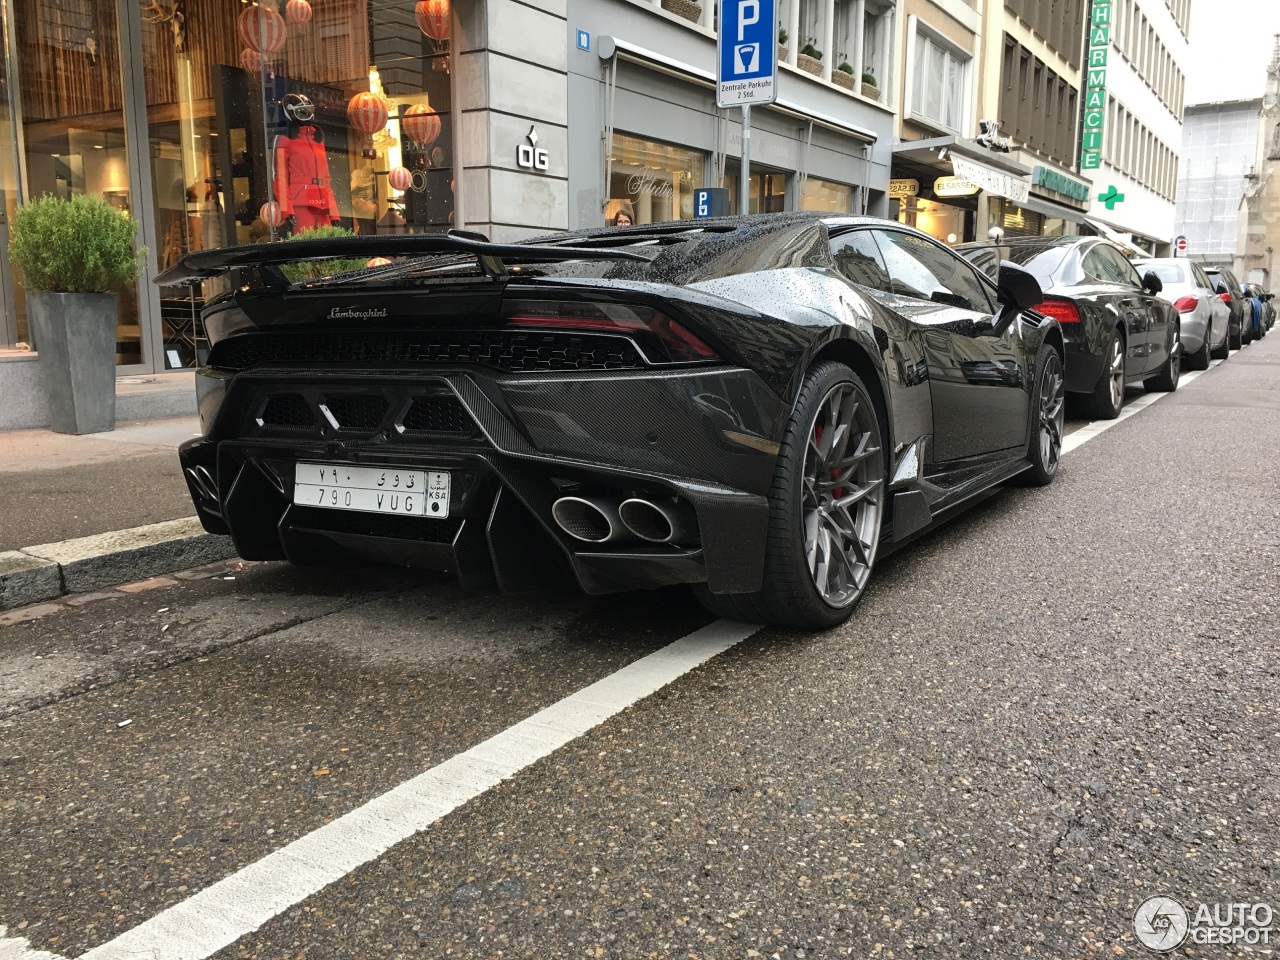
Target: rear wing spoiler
266 257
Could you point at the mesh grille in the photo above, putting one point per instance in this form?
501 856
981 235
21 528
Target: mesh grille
287 410
422 529
505 349
356 412
437 415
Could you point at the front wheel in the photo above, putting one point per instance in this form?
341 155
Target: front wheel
1166 381
1200 359
825 509
1224 349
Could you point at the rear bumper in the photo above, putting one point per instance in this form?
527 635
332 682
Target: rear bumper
512 447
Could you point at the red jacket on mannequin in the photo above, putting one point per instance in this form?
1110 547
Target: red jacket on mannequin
302 180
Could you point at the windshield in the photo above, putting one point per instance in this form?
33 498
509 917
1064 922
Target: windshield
1167 272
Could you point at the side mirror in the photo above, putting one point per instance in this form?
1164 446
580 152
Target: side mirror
1151 283
1018 289
1221 290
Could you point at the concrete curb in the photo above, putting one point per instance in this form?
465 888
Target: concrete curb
49 570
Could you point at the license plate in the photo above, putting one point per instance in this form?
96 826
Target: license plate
405 493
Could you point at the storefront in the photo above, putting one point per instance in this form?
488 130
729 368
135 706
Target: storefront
1055 207
216 123
945 187
646 132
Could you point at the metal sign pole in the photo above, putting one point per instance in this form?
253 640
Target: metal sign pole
744 181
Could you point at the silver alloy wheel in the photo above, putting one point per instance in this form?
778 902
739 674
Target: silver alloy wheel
1175 357
1052 413
842 500
1117 372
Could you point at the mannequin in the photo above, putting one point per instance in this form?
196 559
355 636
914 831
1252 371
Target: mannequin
302 169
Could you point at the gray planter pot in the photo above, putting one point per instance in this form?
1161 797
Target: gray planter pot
842 79
688 9
870 91
75 335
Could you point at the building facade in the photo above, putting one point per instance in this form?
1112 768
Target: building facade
215 123
1258 233
1134 90
1219 155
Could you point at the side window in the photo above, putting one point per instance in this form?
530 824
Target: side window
920 269
858 257
1094 266
1123 268
1201 279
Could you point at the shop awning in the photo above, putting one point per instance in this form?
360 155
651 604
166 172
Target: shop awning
1051 209
994 172
1122 240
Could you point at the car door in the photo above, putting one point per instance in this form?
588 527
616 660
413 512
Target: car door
1160 317
1113 290
1218 311
977 380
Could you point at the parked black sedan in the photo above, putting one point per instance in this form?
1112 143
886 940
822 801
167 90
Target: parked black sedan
754 406
1117 331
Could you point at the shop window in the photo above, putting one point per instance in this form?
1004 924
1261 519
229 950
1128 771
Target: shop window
652 182
827 195
939 80
73 123
270 119
767 192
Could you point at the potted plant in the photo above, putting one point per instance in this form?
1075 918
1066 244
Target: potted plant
73 256
842 76
688 9
783 37
869 88
810 60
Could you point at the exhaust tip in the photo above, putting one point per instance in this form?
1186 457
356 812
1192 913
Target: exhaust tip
583 520
647 520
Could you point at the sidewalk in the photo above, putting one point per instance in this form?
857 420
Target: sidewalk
58 487
81 513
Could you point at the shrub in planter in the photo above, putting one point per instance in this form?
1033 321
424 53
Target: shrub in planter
318 269
842 76
73 256
783 37
810 60
687 9
869 88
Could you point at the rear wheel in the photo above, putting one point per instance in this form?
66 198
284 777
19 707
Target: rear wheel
1236 340
826 507
1200 359
1166 381
1048 414
1107 398
1224 350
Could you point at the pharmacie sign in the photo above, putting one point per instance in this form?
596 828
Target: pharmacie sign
1095 88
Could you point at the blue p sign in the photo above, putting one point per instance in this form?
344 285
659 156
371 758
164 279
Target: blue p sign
747 60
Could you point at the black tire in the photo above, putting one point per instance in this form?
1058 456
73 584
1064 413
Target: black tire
1224 351
1048 412
853 503
1105 401
1166 381
1235 340
1200 359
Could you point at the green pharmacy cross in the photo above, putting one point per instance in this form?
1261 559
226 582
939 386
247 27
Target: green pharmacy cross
1111 197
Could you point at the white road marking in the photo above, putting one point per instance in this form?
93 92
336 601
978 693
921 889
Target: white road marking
239 904
17 948
1087 433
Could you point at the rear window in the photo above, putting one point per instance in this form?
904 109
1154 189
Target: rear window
1167 272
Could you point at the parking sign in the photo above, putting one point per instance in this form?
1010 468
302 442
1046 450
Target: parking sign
747 64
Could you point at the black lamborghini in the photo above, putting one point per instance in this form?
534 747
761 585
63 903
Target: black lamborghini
755 406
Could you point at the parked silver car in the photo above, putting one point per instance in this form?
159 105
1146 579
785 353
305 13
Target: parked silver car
1204 317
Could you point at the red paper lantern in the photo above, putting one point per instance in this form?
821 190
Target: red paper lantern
251 60
422 124
400 178
367 112
377 262
297 11
434 18
270 213
262 29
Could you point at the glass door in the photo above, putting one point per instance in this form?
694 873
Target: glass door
768 188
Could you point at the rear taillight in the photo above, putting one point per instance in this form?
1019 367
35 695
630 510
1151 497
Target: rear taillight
1225 298
1064 311
1187 304
647 325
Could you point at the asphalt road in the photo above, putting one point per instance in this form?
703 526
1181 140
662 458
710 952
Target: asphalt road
1063 702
